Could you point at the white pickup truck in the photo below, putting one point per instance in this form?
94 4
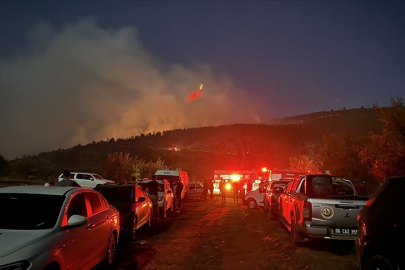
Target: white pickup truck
321 206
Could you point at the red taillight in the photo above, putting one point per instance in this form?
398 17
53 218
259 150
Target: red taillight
307 211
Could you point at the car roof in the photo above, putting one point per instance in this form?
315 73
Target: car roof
39 190
84 172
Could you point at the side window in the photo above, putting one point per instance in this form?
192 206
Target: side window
192 186
95 202
198 186
289 187
79 176
72 175
77 206
295 185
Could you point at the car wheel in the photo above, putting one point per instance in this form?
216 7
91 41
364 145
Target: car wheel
295 238
252 204
111 250
133 228
379 262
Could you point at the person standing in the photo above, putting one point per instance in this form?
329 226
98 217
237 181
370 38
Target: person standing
153 195
235 189
204 193
66 181
248 186
179 191
222 190
211 188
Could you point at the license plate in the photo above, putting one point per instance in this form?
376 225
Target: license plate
345 231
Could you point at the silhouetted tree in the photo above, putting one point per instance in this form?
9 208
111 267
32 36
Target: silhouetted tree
384 153
4 166
118 167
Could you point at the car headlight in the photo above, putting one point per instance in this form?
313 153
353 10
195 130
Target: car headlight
21 265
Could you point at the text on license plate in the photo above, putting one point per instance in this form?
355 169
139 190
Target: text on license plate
344 231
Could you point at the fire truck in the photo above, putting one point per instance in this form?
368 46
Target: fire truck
254 176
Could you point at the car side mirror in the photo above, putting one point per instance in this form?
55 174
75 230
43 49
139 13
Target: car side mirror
278 190
77 220
141 199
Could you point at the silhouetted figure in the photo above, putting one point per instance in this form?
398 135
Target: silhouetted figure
235 189
211 188
222 190
204 193
66 181
179 190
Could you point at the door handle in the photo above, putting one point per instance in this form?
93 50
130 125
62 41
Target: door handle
91 226
107 217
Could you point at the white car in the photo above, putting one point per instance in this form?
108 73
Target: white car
88 180
165 195
255 198
56 228
194 190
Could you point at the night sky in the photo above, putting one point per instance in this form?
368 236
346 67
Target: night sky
75 71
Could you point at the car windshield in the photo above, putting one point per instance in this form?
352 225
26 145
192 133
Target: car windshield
96 176
29 211
118 194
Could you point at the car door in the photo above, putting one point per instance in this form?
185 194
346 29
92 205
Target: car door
141 207
98 227
74 245
284 200
261 194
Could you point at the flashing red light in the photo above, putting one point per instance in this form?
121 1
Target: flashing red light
264 169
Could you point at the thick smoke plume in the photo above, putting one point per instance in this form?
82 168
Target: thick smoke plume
84 83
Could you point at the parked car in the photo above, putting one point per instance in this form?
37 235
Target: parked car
381 231
165 195
88 180
134 206
56 228
273 191
320 206
194 190
255 197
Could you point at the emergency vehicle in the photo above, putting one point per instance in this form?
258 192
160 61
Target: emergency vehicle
172 176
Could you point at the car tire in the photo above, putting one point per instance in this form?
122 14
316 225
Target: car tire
252 204
109 258
132 235
379 262
295 237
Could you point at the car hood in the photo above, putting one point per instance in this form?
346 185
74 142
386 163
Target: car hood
13 240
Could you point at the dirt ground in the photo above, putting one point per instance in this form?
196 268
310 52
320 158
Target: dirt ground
210 235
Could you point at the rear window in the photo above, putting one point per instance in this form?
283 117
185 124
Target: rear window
320 186
29 211
117 194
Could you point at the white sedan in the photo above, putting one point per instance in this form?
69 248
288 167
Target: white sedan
56 228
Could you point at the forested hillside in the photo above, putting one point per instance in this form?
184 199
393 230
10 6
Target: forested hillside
202 150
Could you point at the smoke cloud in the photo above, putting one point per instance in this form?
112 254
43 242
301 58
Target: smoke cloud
84 83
